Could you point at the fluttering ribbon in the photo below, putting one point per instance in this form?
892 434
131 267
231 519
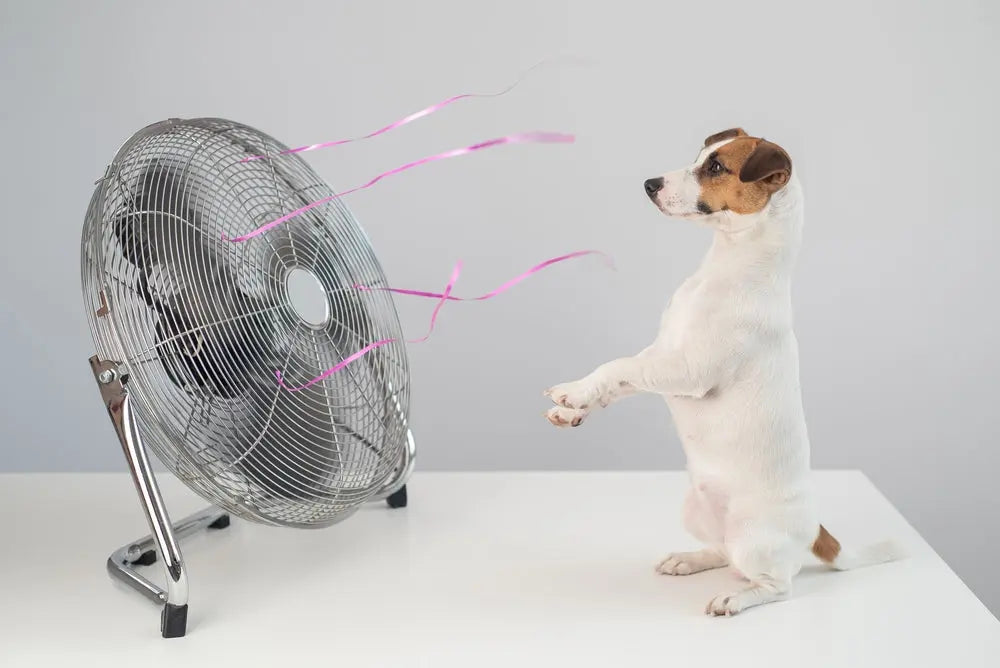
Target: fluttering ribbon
521 138
442 298
417 115
492 293
383 342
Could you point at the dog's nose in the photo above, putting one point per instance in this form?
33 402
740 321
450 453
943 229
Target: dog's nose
654 186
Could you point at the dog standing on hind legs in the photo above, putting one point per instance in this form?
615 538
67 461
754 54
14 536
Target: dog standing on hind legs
726 361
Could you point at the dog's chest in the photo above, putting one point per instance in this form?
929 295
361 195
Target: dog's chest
686 313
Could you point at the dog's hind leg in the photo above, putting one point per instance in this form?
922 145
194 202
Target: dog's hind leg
702 518
767 555
763 589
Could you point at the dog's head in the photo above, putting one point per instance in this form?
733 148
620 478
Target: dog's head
734 175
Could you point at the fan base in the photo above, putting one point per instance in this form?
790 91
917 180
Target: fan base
143 552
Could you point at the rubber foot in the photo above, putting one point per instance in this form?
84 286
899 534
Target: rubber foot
173 620
398 498
147 558
220 523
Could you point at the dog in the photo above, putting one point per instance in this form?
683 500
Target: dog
726 361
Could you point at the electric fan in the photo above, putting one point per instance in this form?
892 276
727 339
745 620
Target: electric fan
190 330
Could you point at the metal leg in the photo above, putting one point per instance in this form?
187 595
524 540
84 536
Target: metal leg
143 552
161 544
174 599
394 491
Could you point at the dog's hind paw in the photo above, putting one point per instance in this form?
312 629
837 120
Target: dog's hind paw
758 593
724 605
688 563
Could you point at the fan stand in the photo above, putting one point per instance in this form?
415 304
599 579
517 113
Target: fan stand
164 537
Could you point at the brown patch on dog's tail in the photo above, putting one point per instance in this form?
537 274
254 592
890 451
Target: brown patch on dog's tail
826 547
828 550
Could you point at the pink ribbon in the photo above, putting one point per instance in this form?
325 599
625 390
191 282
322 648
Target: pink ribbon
493 293
427 111
442 298
384 342
522 138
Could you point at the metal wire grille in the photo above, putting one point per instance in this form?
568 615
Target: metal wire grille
201 324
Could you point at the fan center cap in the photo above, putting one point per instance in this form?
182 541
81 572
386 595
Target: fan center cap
307 297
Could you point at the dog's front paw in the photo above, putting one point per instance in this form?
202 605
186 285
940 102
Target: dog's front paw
579 394
561 416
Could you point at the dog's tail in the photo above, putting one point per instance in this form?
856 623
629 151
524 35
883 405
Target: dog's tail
829 551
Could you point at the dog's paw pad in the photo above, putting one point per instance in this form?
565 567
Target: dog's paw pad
565 417
572 395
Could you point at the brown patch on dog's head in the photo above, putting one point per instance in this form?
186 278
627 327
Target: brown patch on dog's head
725 134
741 175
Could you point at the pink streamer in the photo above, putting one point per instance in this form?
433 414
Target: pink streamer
442 298
384 342
427 111
503 287
522 138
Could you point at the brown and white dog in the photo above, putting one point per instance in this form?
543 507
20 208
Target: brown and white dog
726 362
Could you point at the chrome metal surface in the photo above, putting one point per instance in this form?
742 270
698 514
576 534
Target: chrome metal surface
118 402
404 471
120 563
200 325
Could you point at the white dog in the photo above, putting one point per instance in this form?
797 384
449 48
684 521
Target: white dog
726 361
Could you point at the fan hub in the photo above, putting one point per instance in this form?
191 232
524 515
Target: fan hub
307 297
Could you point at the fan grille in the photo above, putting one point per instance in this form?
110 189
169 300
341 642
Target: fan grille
201 324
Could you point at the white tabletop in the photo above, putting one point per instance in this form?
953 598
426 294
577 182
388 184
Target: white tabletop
518 569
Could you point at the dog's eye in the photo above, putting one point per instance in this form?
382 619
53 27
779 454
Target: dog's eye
714 167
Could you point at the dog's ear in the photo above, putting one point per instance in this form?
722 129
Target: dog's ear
725 134
768 165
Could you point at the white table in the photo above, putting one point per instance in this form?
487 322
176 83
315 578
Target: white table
502 569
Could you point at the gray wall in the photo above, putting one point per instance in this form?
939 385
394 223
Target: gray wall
889 111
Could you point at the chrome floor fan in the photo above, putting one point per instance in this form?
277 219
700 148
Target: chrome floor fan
190 330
